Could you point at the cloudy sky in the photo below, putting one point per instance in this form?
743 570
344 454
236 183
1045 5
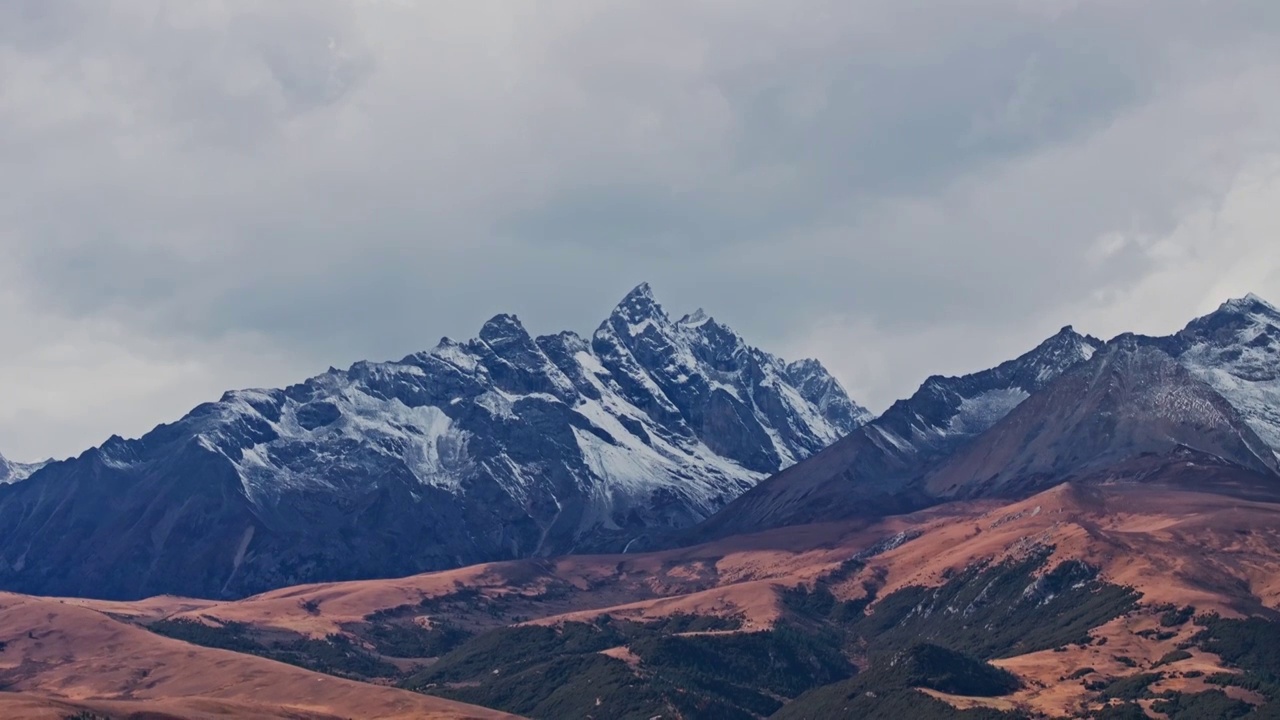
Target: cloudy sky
205 194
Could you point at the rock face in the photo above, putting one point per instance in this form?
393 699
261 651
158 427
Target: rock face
1236 351
500 447
12 472
1131 402
869 471
1205 399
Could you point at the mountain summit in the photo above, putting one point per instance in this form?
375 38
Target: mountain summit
1236 351
1131 406
500 447
12 472
1206 399
866 472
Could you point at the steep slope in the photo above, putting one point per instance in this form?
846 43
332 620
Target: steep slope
1126 411
12 472
500 447
868 472
72 659
1236 350
1044 587
1212 388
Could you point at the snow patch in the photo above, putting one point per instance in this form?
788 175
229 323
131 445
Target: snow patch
1245 370
456 356
977 414
498 404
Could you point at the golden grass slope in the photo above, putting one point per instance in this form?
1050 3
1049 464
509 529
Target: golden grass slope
60 656
1176 546
1215 552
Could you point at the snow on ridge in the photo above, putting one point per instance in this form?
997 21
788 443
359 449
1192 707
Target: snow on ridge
697 318
1243 368
1248 303
498 404
634 329
254 429
456 356
15 472
436 453
984 410
349 431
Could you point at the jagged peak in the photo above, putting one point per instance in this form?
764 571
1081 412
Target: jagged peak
566 335
640 305
458 354
567 339
503 328
1050 347
643 290
807 365
809 369
1069 335
1065 346
1129 345
1231 318
1250 303
696 318
12 472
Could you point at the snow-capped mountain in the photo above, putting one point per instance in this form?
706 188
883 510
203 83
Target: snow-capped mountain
946 411
1075 408
12 472
1236 350
499 447
1133 407
868 471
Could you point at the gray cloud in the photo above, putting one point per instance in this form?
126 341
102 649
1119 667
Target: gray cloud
206 195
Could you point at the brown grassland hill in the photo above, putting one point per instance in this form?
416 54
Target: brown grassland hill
1213 554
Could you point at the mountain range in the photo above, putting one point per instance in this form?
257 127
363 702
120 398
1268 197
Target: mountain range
1089 530
500 447
654 432
1073 408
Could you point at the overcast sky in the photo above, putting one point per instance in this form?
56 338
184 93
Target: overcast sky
198 195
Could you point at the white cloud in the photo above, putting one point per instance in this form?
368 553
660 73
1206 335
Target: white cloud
71 382
201 195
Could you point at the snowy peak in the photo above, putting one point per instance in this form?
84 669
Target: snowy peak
1250 315
695 318
13 472
9 472
1131 403
945 411
1250 304
639 309
704 380
870 470
821 388
1072 403
505 330
642 293
1236 350
514 361
1052 357
493 448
